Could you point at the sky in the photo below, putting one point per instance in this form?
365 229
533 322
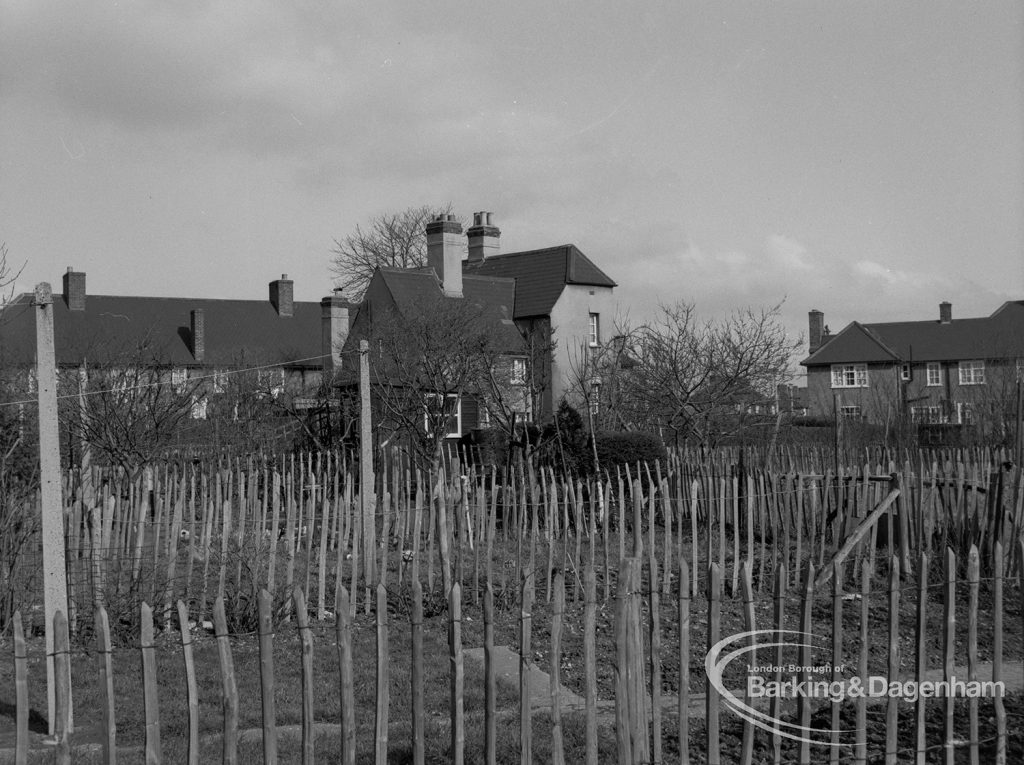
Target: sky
862 158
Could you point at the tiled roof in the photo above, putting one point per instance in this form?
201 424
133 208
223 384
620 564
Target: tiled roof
494 295
1000 335
112 325
541 275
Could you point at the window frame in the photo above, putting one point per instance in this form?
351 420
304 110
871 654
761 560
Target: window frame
457 414
968 372
839 372
933 374
594 329
927 414
517 371
851 412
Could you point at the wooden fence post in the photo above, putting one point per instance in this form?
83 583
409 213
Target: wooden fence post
228 686
714 632
457 676
266 643
416 630
525 712
383 675
190 684
20 693
306 640
490 681
149 683
343 631
557 614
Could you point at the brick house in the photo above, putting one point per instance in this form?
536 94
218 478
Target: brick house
945 371
547 304
288 344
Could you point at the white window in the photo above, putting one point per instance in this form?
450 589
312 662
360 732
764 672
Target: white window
198 407
484 418
220 381
594 338
449 407
934 374
905 374
519 371
849 375
850 412
972 372
179 377
926 414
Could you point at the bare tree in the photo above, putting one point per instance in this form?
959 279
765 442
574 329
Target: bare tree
692 377
392 239
133 406
428 359
8 276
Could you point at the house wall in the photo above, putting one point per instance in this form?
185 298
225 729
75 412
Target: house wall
570 319
888 396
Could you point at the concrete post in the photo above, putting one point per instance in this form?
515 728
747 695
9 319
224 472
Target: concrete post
55 586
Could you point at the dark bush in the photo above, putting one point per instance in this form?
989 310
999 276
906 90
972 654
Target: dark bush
629 448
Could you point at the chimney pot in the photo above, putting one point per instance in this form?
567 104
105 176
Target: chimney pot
484 239
282 292
74 289
945 312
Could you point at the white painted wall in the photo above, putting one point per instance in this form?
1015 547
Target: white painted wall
570 319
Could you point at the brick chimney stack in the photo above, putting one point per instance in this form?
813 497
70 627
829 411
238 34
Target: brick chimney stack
484 238
334 326
945 312
74 289
282 293
198 324
816 329
444 252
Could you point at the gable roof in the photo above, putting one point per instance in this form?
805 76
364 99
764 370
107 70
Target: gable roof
114 325
1000 335
540 275
407 289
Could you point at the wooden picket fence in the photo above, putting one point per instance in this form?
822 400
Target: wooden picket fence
638 717
190 532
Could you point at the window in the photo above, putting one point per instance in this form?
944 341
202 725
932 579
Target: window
31 386
220 381
594 338
972 372
179 377
484 418
905 374
198 407
436 407
934 373
519 371
850 412
849 375
926 415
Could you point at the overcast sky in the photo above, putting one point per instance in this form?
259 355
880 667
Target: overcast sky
864 158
